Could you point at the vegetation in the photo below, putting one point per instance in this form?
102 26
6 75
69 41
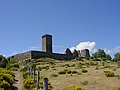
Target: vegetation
6 79
3 62
84 83
101 55
74 88
109 73
117 57
84 71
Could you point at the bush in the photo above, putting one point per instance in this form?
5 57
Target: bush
6 79
96 59
28 83
62 72
13 69
93 63
25 75
74 88
67 71
2 70
73 65
4 84
84 71
24 69
114 68
97 67
46 68
74 72
54 75
109 73
107 66
16 65
84 83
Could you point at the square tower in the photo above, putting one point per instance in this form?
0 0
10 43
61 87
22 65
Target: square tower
47 43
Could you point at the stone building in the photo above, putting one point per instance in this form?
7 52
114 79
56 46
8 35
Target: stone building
47 52
85 53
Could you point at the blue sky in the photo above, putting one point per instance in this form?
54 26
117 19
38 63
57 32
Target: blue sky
23 22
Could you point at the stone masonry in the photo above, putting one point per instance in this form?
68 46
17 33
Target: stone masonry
47 52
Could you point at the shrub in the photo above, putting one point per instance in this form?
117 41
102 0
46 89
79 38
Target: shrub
4 84
24 69
96 59
25 75
16 65
8 78
109 73
93 63
67 65
74 72
73 65
84 71
84 83
54 75
97 67
67 71
62 72
13 69
118 88
33 65
46 68
106 66
28 83
74 88
103 63
114 68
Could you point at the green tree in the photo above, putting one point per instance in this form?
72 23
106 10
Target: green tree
117 57
108 57
99 54
3 62
1 56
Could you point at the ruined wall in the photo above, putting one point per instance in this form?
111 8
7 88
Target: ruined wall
23 56
39 54
85 53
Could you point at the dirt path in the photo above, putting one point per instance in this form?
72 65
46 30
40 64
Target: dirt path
19 80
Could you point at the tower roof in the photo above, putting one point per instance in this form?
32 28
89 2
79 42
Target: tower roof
46 35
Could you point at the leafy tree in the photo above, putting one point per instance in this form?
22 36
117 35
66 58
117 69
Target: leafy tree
99 54
108 57
117 57
3 62
1 57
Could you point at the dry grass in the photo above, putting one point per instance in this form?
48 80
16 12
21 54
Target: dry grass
96 78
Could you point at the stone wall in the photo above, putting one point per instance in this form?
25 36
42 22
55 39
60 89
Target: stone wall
39 54
85 53
22 56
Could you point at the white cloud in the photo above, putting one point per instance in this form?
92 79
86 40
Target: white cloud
113 50
85 45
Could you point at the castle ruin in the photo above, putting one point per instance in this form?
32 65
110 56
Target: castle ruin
47 52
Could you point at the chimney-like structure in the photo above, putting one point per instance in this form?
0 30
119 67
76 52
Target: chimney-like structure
47 43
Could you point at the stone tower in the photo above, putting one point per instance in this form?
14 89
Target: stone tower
85 53
47 43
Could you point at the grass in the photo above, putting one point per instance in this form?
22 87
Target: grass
68 74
